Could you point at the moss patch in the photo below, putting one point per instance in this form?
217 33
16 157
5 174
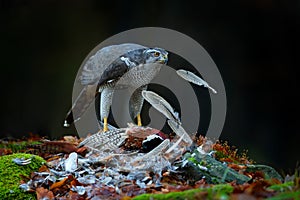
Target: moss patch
17 147
286 195
10 175
221 191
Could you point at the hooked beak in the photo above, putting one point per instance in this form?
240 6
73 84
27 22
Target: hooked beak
164 59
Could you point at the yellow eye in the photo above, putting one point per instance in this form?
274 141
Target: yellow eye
156 54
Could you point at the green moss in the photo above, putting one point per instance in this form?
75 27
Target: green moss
287 190
10 175
188 195
221 191
17 147
288 186
192 159
220 155
286 195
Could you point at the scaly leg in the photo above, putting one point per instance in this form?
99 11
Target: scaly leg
105 103
105 124
136 103
139 120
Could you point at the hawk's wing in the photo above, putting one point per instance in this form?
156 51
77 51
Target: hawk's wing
113 72
97 64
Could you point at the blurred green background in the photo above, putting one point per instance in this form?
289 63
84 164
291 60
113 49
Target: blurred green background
255 45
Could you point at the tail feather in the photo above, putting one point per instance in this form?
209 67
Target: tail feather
69 119
105 140
80 105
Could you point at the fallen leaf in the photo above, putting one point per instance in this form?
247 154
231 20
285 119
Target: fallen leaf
43 193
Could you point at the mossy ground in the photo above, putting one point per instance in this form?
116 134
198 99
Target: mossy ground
287 190
11 175
221 191
18 147
261 186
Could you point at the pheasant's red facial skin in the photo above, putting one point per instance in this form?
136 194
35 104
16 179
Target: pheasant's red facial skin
161 134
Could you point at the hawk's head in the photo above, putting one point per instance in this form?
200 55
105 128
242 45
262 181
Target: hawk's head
155 55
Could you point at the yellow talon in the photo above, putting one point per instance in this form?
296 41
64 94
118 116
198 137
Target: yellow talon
105 124
139 120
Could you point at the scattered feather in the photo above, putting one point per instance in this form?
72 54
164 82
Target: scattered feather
193 78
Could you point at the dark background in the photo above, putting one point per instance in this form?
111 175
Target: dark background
255 45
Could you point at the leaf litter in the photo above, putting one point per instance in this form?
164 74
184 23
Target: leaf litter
74 172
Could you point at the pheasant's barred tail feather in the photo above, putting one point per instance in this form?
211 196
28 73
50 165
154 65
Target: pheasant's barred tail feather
105 140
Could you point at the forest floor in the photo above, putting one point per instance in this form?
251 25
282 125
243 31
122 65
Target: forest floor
36 168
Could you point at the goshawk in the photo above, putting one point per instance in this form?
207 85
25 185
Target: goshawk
117 67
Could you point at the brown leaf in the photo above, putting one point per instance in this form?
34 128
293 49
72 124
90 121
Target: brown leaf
75 183
53 157
58 147
258 189
75 196
4 151
242 197
34 137
44 168
82 150
43 193
59 184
